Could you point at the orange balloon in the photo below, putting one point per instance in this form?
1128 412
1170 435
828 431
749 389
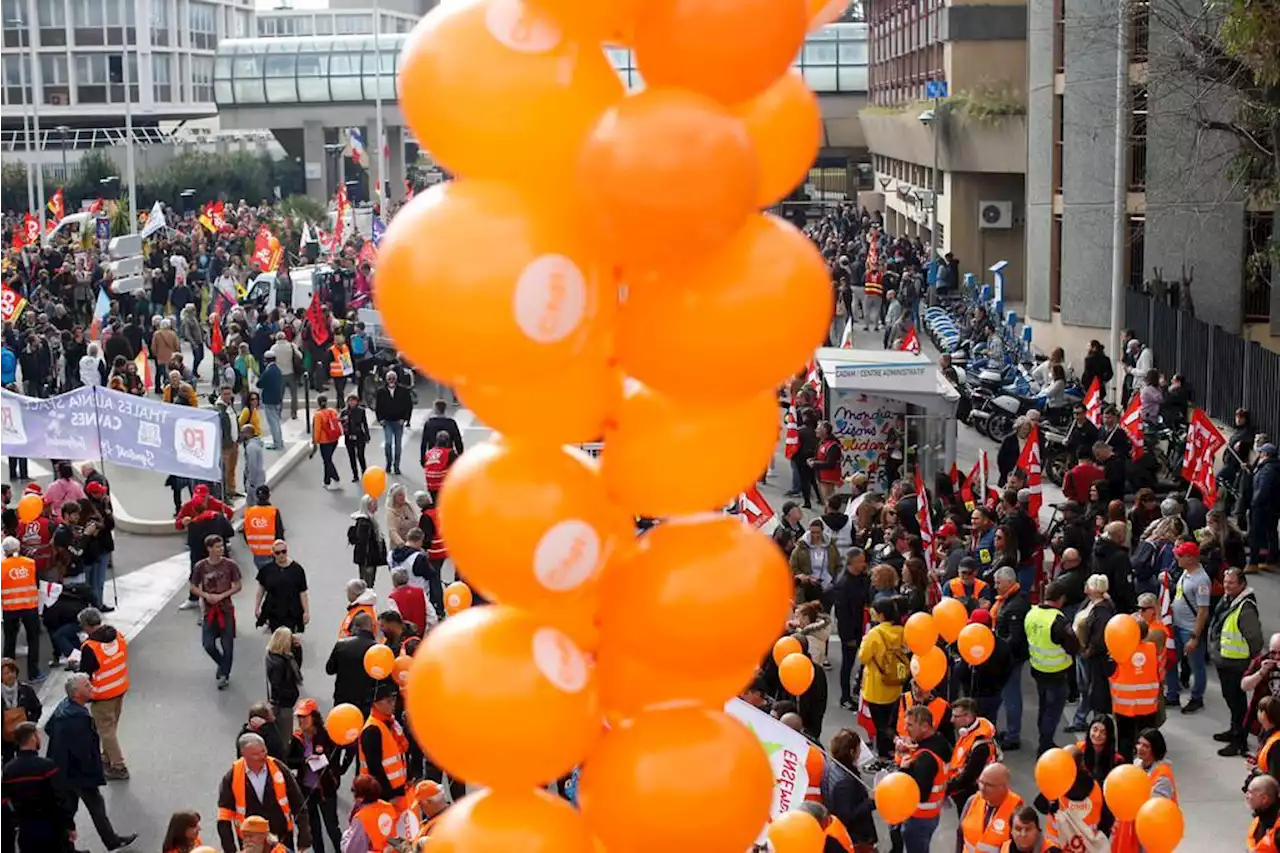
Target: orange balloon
785 124
29 508
1055 773
610 21
478 281
1126 788
494 682
897 796
374 481
787 645
930 668
657 604
796 832
497 90
1122 636
344 723
558 526
823 12
631 683
796 673
768 278
950 616
976 643
729 49
379 662
530 821
1160 825
677 779
402 666
732 441
457 597
580 417
920 634
666 175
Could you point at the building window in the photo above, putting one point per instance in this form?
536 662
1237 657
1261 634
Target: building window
324 25
1055 263
159 23
1059 149
52 17
1139 29
905 51
350 25
242 20
1135 233
203 24
1258 229
54 81
1138 139
162 78
202 79
14 93
1059 35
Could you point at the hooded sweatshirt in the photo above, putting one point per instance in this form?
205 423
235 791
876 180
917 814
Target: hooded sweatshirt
839 528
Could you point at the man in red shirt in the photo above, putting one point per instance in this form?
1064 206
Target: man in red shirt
411 601
1075 486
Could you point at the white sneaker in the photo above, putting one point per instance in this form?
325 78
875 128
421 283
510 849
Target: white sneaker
188 605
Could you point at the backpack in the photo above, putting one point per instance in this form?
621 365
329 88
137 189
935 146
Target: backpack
1145 562
328 429
894 666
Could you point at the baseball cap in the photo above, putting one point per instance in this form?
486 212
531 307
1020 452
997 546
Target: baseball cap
201 491
255 823
426 790
1268 448
304 707
948 529
95 489
980 617
33 489
385 689
1186 549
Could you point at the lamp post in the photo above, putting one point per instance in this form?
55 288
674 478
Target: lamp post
17 24
63 130
184 195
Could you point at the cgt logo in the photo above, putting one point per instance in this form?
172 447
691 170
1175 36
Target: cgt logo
259 523
12 429
194 442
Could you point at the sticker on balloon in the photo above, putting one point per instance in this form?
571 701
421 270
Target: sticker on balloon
550 299
559 660
566 555
513 24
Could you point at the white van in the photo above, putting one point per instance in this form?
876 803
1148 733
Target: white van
71 226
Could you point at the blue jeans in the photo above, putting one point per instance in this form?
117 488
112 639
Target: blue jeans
917 833
66 638
96 576
211 634
273 423
197 356
1027 577
1085 685
1180 638
392 437
795 476
1011 698
1052 694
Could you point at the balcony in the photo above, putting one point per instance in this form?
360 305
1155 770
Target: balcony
970 142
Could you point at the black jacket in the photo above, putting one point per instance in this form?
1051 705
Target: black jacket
1097 365
1010 625
355 423
987 678
1027 531
437 424
850 597
346 663
74 745
1113 561
846 796
39 809
1072 581
321 744
1007 455
1114 472
268 809
394 405
1080 438
284 678
270 735
371 743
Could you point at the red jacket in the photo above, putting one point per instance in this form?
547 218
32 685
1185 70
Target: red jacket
1075 486
411 601
193 510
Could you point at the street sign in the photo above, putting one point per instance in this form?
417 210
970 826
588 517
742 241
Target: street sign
935 89
123 246
126 263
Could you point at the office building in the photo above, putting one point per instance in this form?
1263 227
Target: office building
395 16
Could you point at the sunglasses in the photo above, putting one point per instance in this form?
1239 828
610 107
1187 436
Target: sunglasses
280 552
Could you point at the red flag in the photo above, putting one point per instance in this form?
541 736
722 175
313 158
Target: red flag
866 721
315 318
925 517
1131 423
791 433
1203 443
143 362
814 380
910 342
266 250
56 205
19 234
96 206
341 206
1029 461
1093 402
368 254
30 230
408 191
215 334
846 337
954 474
753 508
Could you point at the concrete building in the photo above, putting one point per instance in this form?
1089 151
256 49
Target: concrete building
1184 212
975 137
395 16
307 90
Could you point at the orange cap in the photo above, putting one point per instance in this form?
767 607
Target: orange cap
255 823
305 706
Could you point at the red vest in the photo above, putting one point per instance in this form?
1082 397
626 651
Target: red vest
830 475
436 549
435 466
791 436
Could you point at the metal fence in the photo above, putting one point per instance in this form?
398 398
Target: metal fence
1224 371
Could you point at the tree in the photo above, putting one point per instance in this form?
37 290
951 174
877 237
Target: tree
303 208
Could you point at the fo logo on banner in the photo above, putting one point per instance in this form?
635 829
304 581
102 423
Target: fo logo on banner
195 442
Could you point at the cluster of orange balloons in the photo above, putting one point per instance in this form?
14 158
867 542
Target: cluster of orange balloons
586 277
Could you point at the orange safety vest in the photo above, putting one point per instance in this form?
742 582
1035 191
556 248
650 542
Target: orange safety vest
260 529
1266 844
813 767
435 466
19 589
1266 761
379 821
436 550
1135 684
394 745
982 731
837 830
931 806
938 707
340 363
425 831
956 588
1091 819
239 773
987 836
344 630
111 678
791 434
1154 625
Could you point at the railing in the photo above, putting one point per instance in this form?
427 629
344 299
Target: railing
1223 371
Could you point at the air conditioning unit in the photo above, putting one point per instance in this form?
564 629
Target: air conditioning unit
995 214
59 99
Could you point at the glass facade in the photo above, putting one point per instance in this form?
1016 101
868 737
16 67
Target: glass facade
345 69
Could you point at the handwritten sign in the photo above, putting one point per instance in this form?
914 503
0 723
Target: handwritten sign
862 424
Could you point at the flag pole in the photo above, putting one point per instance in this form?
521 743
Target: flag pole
102 466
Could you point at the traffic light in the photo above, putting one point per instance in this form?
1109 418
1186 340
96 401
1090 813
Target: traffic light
125 264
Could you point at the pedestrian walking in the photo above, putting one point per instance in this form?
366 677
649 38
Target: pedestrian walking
326 430
257 796
369 549
282 599
1235 638
351 683
271 393
40 808
20 600
74 746
355 430
284 678
182 834
215 580
255 464
313 760
104 657
230 433
394 408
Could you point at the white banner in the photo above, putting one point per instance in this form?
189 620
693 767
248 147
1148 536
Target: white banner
787 750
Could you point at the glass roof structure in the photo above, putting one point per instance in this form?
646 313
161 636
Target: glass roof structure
347 69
